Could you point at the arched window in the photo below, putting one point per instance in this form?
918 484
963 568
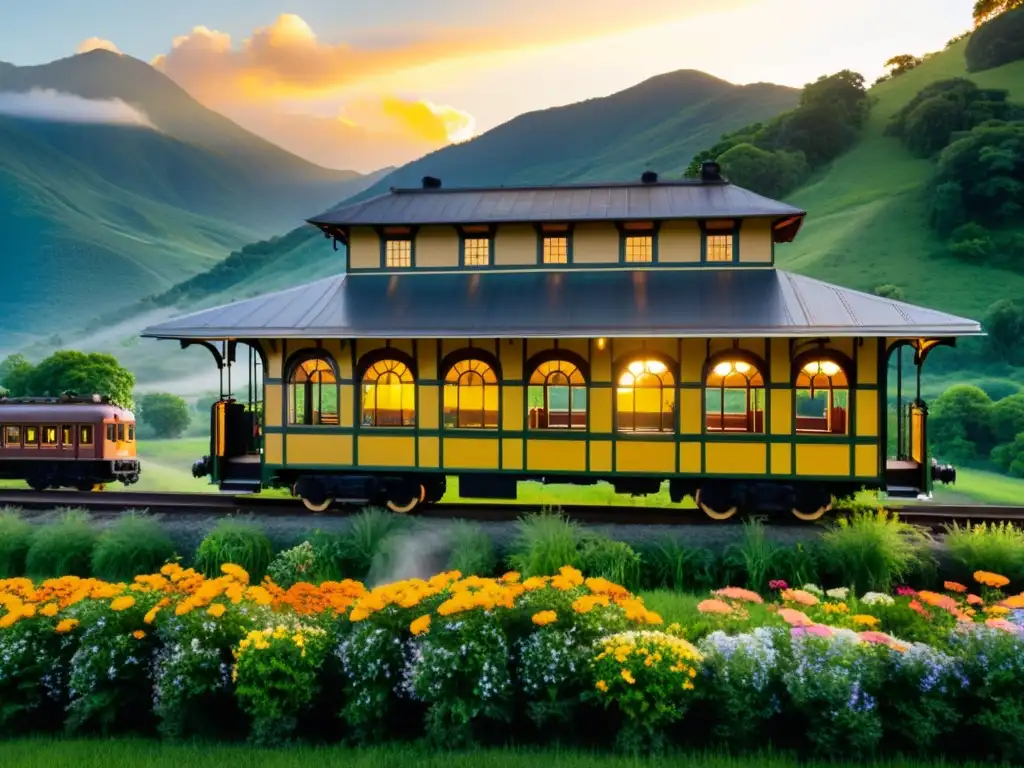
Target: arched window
313 391
389 395
471 395
557 396
734 397
822 397
646 398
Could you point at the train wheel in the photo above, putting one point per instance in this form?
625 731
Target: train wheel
812 504
721 513
317 507
405 500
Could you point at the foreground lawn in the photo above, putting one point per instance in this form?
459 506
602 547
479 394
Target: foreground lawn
127 753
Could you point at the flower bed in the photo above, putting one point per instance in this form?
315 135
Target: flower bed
471 659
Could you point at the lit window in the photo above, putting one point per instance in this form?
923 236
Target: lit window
719 247
389 395
477 252
734 398
313 393
471 396
85 435
49 435
822 398
397 253
557 396
12 435
556 250
131 433
639 249
31 435
66 435
646 398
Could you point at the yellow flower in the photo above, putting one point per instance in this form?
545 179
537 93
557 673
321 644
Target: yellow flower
687 685
216 610
627 676
989 579
122 603
420 625
138 634
602 686
236 572
997 610
48 610
150 616
544 618
66 625
865 620
512 577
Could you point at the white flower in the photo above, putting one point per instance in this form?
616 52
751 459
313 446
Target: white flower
839 593
814 589
877 598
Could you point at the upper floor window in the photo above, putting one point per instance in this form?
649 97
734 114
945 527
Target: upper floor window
646 398
639 249
555 250
389 395
313 392
719 247
557 396
397 254
476 251
822 397
734 397
471 396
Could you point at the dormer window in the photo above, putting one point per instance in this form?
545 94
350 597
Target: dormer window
397 247
637 243
556 250
720 241
477 246
720 247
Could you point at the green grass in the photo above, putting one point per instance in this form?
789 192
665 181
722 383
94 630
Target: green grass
128 753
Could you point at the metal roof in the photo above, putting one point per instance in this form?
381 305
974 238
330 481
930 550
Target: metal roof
572 202
574 303
56 413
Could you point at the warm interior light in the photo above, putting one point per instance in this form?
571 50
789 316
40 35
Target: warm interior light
600 343
636 368
829 368
742 367
656 367
723 369
826 367
626 380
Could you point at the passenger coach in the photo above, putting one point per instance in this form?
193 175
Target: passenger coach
633 333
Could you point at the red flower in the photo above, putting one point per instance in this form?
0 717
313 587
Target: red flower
777 584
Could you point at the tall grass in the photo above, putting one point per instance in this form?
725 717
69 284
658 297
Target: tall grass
610 559
134 544
63 547
472 550
241 542
351 554
872 550
544 542
997 547
667 564
752 557
15 537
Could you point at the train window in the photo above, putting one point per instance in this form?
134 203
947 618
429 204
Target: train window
31 435
822 398
313 393
557 396
471 396
389 395
131 433
66 435
645 398
111 433
85 434
734 398
120 433
12 435
49 435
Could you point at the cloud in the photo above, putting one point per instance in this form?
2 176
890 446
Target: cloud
418 119
96 44
56 106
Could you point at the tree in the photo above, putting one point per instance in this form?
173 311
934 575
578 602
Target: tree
889 291
1000 39
69 371
986 10
1005 326
960 425
899 65
167 415
1008 418
1009 457
15 371
766 172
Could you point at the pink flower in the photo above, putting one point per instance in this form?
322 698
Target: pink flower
777 584
1002 624
905 592
795 618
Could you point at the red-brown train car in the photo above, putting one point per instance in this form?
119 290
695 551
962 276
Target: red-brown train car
67 442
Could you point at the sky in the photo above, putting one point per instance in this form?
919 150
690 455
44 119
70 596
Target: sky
365 83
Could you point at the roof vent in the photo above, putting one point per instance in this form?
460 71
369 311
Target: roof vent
430 182
649 177
710 170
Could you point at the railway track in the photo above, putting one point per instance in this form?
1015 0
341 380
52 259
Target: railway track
919 513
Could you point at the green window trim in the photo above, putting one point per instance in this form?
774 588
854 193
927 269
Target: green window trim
705 233
624 233
386 237
489 236
543 234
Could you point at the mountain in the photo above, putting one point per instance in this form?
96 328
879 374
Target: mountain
115 184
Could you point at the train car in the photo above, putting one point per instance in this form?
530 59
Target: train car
67 442
632 333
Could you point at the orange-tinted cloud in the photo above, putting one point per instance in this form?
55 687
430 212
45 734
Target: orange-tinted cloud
96 44
418 119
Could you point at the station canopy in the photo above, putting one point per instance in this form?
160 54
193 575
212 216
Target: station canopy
569 304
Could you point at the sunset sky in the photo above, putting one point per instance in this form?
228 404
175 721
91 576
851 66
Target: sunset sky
365 83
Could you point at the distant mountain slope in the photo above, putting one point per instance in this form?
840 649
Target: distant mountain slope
95 216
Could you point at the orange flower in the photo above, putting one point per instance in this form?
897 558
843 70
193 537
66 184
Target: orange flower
737 593
795 618
974 600
865 620
138 634
1017 601
543 618
916 606
66 625
714 606
799 596
945 602
420 625
989 579
997 610
122 603
216 610
954 586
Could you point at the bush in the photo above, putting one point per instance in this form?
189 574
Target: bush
612 560
235 541
132 545
15 535
544 542
873 550
63 547
472 551
355 550
294 565
987 546
996 42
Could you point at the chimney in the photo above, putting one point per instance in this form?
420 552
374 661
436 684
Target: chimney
429 182
649 177
710 170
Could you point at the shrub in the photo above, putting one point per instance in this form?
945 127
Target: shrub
670 565
996 42
612 560
997 547
872 550
752 556
544 542
132 545
352 553
63 547
293 565
235 541
15 536
472 551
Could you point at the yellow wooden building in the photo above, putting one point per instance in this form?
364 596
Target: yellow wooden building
633 333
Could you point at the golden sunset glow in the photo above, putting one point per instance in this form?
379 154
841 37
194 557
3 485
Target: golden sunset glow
96 44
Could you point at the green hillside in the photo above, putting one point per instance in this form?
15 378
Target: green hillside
867 222
95 216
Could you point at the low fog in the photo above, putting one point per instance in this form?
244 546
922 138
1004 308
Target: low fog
56 106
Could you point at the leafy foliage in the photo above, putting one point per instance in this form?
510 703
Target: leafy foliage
1000 39
987 546
472 550
544 542
165 414
15 537
960 424
235 541
872 550
62 548
68 371
132 545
